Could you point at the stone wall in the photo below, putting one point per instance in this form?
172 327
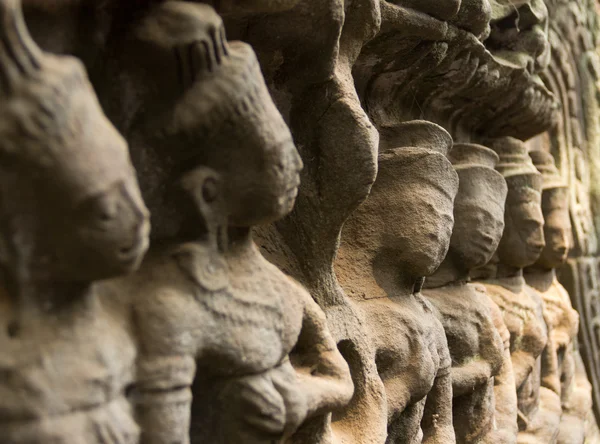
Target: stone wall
299 221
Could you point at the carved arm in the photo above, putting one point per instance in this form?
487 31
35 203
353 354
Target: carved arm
437 416
323 375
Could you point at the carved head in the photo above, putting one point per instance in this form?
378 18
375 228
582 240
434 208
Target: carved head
70 207
479 205
555 207
410 206
523 238
206 104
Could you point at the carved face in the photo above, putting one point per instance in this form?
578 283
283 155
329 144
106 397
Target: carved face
257 156
249 144
557 228
523 238
262 180
79 214
414 199
108 232
206 104
478 216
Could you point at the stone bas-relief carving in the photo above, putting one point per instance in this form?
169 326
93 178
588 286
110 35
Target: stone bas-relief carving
428 63
308 70
382 269
71 214
558 370
214 343
574 72
482 382
520 246
216 321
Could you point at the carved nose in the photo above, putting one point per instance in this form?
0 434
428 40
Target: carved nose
139 216
488 238
562 250
537 246
298 163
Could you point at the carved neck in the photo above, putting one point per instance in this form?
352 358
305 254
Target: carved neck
539 279
510 278
239 242
506 271
449 272
239 237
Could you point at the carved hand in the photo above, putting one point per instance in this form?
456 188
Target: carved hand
259 410
294 396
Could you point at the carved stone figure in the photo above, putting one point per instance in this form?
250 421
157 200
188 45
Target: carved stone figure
520 246
214 318
306 50
484 404
383 258
308 69
472 66
209 342
559 367
70 214
577 424
574 73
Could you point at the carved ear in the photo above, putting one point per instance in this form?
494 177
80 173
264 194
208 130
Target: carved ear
205 187
19 55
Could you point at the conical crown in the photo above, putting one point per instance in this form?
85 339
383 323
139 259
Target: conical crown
468 155
544 162
515 164
20 58
416 151
416 133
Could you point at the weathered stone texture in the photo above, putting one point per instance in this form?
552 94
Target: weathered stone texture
372 222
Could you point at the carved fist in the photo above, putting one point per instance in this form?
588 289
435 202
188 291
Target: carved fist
265 407
285 380
257 411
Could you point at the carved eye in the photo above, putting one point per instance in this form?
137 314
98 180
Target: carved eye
99 210
531 224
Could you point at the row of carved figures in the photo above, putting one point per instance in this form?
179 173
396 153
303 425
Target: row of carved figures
112 335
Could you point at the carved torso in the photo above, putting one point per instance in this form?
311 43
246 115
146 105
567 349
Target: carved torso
557 365
235 316
59 384
411 351
523 315
562 319
221 312
466 314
